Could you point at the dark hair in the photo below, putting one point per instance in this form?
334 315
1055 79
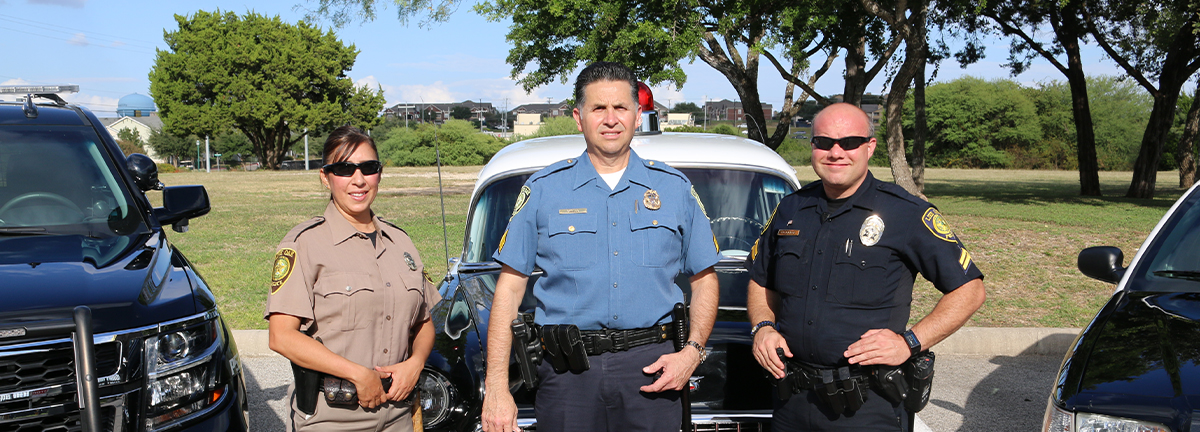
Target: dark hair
604 71
343 142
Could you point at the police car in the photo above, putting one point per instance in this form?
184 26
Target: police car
739 182
105 326
1136 366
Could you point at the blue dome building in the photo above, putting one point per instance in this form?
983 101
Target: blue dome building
135 105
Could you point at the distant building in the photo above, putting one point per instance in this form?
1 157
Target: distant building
548 109
678 120
136 112
436 112
136 105
527 124
725 109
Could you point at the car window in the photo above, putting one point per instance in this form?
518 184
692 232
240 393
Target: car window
1172 261
738 204
61 181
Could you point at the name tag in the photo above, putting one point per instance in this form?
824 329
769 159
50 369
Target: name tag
787 233
572 211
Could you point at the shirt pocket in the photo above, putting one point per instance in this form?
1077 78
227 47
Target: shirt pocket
344 301
860 279
573 240
656 237
791 260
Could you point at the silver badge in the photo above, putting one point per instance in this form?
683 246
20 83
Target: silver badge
412 265
872 230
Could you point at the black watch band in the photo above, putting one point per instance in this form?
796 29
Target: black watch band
914 345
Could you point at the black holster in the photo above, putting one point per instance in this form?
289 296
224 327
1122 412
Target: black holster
918 371
527 348
842 392
308 383
564 348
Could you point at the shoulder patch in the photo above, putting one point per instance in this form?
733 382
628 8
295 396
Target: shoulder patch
701 203
933 220
285 262
300 229
522 199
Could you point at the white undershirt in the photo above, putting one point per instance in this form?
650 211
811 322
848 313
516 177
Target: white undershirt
613 178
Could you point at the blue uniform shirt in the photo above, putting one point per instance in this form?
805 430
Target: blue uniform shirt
839 274
610 260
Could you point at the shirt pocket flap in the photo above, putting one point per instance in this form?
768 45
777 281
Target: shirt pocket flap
653 219
572 224
342 283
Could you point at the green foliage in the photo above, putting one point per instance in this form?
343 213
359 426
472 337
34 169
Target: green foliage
130 147
725 129
129 134
796 152
459 143
685 128
232 142
460 113
974 123
260 75
1120 110
172 146
165 168
554 126
687 107
1058 146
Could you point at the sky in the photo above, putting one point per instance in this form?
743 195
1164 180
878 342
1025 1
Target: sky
108 49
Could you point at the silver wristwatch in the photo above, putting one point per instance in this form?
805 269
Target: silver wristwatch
700 348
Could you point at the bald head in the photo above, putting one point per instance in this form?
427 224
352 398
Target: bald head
842 116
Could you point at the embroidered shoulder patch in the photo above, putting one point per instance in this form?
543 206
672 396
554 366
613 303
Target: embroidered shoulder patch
933 220
522 199
701 203
285 262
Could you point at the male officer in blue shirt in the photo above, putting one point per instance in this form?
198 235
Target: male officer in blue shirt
835 268
611 231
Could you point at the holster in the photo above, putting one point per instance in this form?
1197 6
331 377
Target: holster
307 386
841 391
918 371
564 348
787 386
890 382
527 347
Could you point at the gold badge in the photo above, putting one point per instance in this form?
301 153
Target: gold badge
412 265
285 261
650 200
872 230
788 232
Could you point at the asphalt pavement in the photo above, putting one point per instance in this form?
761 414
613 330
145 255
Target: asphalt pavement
976 393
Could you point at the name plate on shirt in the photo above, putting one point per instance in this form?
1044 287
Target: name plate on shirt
788 232
572 211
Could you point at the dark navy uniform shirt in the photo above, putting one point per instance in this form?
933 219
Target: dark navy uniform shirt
839 274
610 256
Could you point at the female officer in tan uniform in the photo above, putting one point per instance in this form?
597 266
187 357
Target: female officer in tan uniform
348 297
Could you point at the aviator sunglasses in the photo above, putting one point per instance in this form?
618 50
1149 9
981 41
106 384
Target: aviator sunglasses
847 143
346 169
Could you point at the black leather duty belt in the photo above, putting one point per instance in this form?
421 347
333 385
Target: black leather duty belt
596 342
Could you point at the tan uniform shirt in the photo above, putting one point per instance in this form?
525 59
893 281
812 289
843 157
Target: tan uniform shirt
362 301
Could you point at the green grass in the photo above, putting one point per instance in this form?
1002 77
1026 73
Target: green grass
1023 228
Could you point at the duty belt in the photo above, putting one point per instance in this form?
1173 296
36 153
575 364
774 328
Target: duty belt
596 342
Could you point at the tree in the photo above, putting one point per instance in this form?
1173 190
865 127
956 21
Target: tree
460 112
1150 40
978 124
260 75
459 143
687 107
1190 136
172 146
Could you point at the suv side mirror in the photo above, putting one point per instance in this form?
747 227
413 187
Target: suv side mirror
144 171
181 203
1102 263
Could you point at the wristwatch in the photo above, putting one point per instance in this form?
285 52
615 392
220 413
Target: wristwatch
914 345
700 348
759 326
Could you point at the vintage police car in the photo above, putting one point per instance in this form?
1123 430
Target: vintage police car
1136 366
105 326
738 180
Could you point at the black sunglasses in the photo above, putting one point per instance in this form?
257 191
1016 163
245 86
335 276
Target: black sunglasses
847 143
346 169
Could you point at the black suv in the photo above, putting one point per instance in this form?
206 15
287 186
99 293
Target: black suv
103 320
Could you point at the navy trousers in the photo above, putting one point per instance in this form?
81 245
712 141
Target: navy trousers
805 411
605 398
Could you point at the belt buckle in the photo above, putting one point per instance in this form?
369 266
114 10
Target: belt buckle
603 343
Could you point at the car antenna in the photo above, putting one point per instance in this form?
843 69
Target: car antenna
441 194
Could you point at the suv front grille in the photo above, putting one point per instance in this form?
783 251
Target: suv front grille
66 422
55 366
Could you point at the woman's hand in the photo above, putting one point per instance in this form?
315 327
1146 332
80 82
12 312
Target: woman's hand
404 377
370 390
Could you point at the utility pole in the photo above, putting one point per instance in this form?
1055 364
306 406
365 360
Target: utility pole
306 149
705 104
207 156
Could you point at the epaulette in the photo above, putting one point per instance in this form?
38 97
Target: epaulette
393 225
659 166
899 192
553 168
300 229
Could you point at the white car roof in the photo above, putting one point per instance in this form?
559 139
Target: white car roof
679 150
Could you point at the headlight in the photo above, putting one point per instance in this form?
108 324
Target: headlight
182 378
1057 420
437 397
1088 422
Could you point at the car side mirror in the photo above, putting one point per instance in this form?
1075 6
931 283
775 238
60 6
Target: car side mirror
459 317
1102 263
144 171
181 203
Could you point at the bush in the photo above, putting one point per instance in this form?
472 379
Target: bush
725 129
553 126
167 168
460 144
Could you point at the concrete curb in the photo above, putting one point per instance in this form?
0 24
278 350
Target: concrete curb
990 341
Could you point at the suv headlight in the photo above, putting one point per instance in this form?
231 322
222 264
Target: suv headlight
437 397
182 376
1060 420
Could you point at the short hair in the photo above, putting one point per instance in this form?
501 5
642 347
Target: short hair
604 71
841 106
343 142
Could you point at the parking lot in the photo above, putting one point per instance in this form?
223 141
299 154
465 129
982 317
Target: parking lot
970 392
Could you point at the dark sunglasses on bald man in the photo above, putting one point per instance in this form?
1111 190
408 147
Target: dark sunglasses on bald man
346 169
847 143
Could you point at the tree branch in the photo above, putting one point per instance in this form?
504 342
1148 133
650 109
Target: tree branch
1112 53
797 81
1010 30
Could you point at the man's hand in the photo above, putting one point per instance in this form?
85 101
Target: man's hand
676 369
878 346
499 412
765 343
404 377
370 390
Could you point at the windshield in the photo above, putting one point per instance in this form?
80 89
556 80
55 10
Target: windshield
60 181
738 204
1172 262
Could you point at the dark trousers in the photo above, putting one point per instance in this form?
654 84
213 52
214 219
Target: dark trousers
806 412
605 398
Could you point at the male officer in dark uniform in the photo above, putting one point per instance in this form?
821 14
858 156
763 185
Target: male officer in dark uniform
835 268
611 231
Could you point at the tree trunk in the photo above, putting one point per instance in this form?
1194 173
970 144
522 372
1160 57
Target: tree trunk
1068 33
1186 149
1145 170
856 72
920 129
901 173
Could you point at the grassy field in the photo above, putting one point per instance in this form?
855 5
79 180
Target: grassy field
1024 229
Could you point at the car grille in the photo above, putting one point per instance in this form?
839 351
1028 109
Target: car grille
47 378
67 422
41 369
